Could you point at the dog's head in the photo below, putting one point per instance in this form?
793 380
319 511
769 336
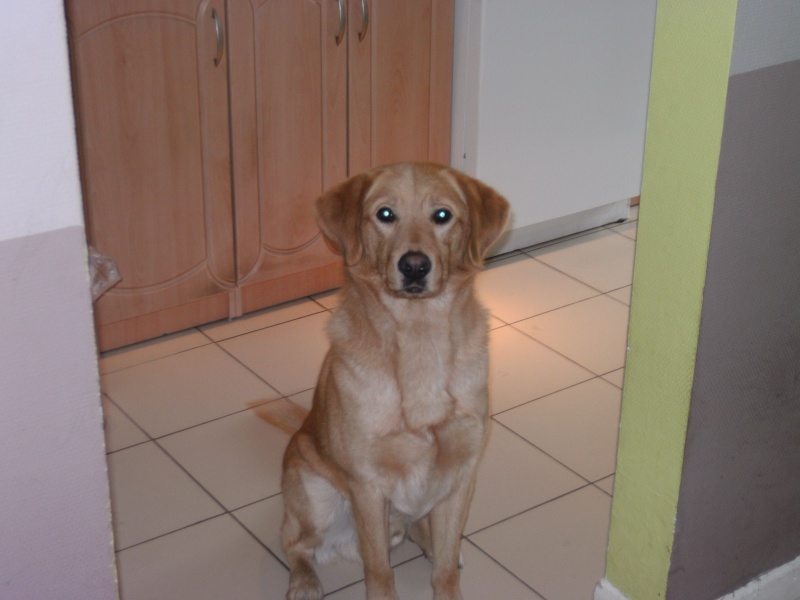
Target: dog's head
412 227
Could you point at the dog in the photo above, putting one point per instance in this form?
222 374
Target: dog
398 421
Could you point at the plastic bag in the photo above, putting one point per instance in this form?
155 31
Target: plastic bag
103 273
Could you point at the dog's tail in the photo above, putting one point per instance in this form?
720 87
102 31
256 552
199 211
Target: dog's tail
283 414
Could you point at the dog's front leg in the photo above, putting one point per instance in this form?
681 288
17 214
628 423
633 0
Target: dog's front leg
371 514
447 521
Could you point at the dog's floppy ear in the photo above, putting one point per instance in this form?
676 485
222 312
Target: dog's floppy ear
339 214
488 214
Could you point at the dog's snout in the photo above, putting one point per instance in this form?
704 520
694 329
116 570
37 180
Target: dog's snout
414 266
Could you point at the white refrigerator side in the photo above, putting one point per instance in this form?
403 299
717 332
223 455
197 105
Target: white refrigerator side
550 107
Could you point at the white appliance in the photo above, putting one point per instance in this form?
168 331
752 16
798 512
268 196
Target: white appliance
549 108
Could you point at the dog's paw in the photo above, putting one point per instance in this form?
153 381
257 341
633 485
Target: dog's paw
305 588
397 536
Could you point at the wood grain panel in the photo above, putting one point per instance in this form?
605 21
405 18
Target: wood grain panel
401 83
153 132
359 90
400 80
200 179
292 286
441 87
162 322
289 96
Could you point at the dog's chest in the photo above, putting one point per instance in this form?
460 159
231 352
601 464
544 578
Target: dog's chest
423 365
417 468
435 432
417 393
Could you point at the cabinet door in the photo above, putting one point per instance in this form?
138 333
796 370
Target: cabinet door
153 118
401 77
289 119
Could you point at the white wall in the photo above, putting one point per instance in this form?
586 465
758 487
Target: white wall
765 37
38 177
56 539
551 99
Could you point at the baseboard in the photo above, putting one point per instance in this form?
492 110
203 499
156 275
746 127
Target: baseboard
782 583
606 591
539 233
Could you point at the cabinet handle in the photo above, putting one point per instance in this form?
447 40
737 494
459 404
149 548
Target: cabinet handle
220 38
362 32
342 22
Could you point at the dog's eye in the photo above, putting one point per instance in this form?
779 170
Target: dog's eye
385 215
442 216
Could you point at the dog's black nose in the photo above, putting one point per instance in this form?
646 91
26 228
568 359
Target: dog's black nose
414 266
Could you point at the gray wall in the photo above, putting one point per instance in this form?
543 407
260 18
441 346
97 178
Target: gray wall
54 507
739 506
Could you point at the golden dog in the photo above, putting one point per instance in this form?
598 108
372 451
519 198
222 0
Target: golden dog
398 421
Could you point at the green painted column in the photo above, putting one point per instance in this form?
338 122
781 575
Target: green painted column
691 60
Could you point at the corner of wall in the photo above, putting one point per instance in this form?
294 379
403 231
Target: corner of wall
606 591
54 509
782 583
689 80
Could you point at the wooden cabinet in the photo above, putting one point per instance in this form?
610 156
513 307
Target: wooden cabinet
208 128
153 120
288 85
400 83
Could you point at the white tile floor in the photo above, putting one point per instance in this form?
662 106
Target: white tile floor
195 473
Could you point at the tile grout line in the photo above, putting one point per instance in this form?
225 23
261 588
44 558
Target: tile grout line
251 371
225 510
321 310
196 425
264 499
149 437
320 304
211 340
598 293
501 565
527 251
609 494
614 227
234 357
574 278
543 451
166 533
586 485
255 537
548 394
152 360
525 255
561 354
593 482
608 293
196 482
550 310
513 326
